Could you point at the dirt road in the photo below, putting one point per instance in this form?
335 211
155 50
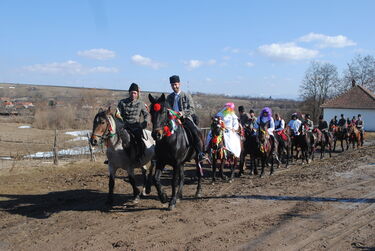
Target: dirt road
328 204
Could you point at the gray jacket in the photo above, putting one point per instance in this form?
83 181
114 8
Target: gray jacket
133 112
185 104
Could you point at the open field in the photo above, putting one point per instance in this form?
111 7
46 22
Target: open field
328 204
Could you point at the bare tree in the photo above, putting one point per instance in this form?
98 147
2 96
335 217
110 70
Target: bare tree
362 70
319 84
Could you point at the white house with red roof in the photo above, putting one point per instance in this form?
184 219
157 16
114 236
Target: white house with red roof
357 100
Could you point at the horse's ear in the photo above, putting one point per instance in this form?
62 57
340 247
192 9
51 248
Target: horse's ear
162 98
151 98
109 110
100 110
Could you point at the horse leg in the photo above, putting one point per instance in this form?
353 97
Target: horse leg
136 191
347 143
222 175
111 185
162 195
287 152
242 163
263 159
199 175
232 168
272 163
149 177
172 203
181 177
334 144
214 162
144 176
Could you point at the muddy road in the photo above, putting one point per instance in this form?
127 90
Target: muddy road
326 205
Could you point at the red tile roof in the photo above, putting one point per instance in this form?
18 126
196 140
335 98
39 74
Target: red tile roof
358 97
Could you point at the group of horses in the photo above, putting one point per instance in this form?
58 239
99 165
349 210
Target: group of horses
174 148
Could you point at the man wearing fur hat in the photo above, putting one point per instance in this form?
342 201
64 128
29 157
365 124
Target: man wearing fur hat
183 103
134 113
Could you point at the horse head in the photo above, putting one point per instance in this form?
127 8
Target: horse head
159 116
102 126
217 126
262 134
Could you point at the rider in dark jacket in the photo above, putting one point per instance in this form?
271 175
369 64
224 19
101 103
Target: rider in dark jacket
183 103
135 115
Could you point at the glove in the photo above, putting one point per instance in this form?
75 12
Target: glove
144 124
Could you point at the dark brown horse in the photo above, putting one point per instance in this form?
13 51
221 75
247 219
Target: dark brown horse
340 133
302 142
173 147
218 151
284 145
323 141
265 149
250 147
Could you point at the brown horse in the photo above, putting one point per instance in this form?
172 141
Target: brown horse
340 133
218 152
355 136
323 141
284 145
265 149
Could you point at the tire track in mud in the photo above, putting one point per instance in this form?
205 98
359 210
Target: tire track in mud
302 234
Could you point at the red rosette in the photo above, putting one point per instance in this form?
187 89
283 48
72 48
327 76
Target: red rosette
157 107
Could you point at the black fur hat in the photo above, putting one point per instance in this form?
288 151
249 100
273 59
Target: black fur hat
174 79
133 87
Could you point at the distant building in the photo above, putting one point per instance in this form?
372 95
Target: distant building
357 100
8 104
24 105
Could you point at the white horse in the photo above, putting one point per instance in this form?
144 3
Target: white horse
106 129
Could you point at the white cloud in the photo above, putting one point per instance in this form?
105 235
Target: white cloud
324 41
100 54
287 51
232 50
68 67
249 64
194 63
144 61
209 80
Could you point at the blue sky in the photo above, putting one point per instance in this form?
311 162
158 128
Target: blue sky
257 48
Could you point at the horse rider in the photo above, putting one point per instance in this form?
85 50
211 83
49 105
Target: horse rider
252 118
323 127
294 124
265 120
279 123
183 104
134 113
308 123
360 126
353 121
232 139
244 116
342 122
333 122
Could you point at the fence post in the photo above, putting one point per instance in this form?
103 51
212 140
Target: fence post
93 159
55 151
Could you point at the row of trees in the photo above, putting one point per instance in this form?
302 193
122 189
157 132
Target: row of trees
322 81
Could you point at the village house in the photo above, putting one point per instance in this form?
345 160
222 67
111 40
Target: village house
357 100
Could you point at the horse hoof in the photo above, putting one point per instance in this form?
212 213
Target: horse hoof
148 190
171 207
230 180
198 195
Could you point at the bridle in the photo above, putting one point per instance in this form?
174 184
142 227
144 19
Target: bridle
108 132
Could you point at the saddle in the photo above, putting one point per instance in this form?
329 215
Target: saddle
282 135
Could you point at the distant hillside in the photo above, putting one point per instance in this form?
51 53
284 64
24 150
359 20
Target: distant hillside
93 98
